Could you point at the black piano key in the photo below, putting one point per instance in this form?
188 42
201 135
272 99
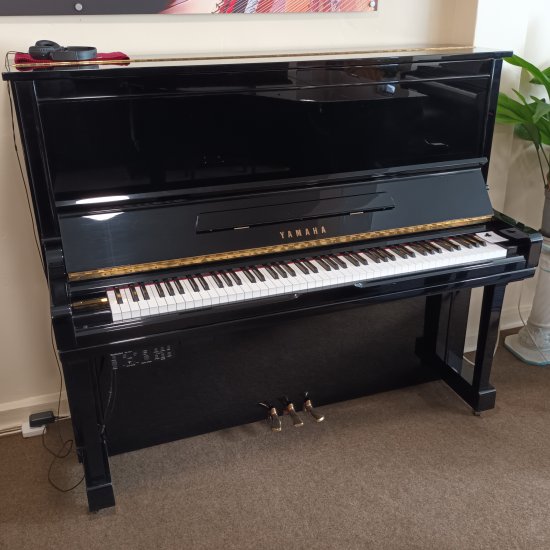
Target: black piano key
420 249
371 255
463 242
378 252
426 246
400 252
435 247
144 291
408 250
249 276
178 285
226 279
478 240
193 284
474 243
235 277
301 266
169 287
280 270
133 293
310 266
388 254
359 258
202 282
384 254
352 260
258 273
288 269
159 289
118 296
444 244
271 271
339 261
454 244
322 263
217 280
331 262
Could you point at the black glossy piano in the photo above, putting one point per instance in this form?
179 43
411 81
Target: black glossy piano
231 240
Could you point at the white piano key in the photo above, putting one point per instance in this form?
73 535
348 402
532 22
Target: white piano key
152 302
195 296
301 282
186 296
125 306
272 288
142 303
220 292
181 304
113 304
170 301
161 302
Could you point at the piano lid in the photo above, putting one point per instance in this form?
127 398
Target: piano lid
151 62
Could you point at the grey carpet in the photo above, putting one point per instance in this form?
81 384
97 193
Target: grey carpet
408 469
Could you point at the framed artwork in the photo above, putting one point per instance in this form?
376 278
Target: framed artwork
101 7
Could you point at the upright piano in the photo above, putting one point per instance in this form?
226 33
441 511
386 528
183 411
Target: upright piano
228 240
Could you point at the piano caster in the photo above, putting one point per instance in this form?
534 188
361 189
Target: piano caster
272 417
476 413
290 410
308 406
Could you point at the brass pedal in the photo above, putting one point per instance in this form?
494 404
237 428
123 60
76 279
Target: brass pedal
308 406
272 417
289 409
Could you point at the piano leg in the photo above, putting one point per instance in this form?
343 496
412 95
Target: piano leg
82 387
442 345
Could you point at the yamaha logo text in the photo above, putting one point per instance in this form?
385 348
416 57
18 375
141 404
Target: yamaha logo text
299 233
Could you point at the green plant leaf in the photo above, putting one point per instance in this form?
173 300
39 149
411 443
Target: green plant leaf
535 72
537 81
542 109
511 111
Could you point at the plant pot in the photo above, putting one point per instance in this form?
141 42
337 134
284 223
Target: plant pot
532 343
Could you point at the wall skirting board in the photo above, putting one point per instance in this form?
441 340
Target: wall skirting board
14 413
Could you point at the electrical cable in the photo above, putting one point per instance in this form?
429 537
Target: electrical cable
69 443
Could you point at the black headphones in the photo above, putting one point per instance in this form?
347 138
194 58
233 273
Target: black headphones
46 49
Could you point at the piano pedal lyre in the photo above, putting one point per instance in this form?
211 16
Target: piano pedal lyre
308 406
272 416
290 410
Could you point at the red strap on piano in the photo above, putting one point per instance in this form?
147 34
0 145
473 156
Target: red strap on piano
21 57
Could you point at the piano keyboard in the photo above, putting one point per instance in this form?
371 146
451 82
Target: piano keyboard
213 288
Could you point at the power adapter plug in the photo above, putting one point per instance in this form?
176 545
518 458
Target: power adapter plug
37 420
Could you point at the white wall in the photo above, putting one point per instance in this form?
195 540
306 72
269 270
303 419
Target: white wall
514 178
28 373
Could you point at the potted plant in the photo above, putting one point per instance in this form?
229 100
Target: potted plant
531 120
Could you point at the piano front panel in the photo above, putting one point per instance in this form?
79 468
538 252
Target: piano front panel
212 379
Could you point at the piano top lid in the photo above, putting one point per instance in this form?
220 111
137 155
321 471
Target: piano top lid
154 63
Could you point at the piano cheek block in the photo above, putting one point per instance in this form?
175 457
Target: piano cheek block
202 217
